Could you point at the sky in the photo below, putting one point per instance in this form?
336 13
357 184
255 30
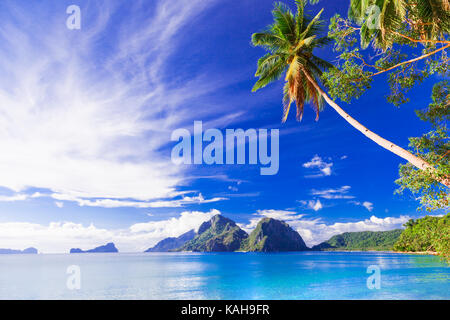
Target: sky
86 118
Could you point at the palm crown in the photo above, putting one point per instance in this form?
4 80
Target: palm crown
290 42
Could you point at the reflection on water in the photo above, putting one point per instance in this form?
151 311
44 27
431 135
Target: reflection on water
307 275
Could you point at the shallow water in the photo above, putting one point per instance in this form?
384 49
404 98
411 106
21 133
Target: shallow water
304 275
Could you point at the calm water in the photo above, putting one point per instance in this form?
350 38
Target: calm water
224 276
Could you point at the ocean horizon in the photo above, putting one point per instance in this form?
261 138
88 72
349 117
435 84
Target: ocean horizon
231 276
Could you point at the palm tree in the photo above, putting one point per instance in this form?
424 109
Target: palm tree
430 19
290 42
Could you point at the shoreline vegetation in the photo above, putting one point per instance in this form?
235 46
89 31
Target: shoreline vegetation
425 236
221 234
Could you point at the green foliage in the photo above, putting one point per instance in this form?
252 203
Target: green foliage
361 241
426 234
407 43
341 81
433 147
380 20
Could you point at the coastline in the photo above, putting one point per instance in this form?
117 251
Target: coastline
432 253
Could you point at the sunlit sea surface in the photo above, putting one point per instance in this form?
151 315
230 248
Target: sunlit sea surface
305 275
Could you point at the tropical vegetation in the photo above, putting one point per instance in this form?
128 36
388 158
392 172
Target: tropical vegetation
434 147
428 234
361 241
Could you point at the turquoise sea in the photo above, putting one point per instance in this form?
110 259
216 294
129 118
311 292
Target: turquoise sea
305 275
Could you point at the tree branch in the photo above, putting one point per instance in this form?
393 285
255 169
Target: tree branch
410 61
421 41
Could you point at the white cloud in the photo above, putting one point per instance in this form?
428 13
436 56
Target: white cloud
318 163
88 123
315 205
59 237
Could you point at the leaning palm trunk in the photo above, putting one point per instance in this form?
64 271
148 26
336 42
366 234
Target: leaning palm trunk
408 156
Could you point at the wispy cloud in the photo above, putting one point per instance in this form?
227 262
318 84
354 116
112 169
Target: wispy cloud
112 203
91 124
338 193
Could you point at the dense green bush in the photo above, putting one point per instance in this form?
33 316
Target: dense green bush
426 234
366 240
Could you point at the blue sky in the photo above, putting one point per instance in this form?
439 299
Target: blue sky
86 118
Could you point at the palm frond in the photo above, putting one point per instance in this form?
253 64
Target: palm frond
299 17
284 21
270 71
310 27
266 39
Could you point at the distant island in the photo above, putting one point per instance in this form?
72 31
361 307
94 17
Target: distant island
26 251
109 247
361 241
221 234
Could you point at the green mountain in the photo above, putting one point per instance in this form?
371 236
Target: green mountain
366 240
272 235
216 235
